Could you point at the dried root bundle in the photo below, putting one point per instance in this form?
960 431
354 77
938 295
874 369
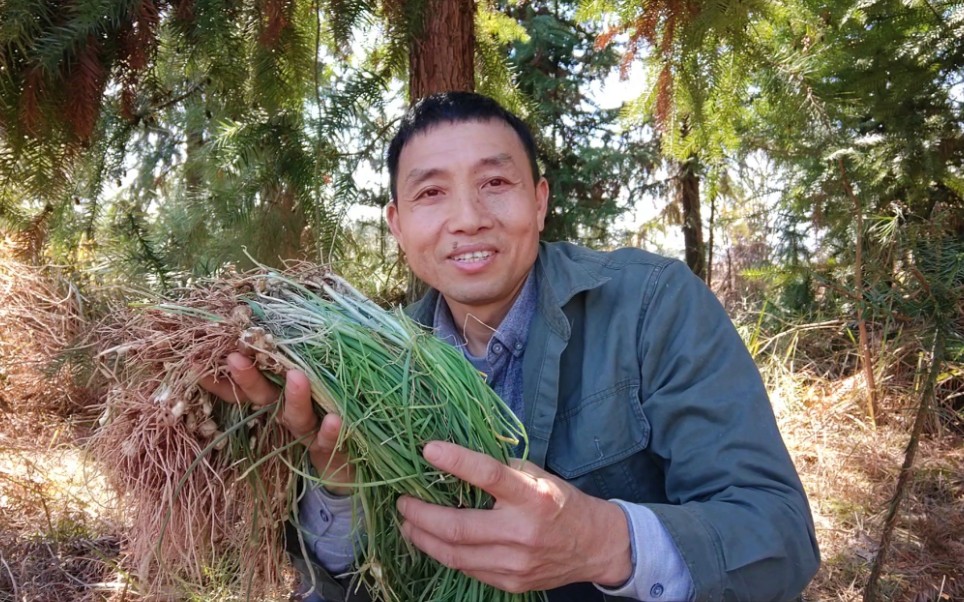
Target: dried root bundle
395 385
198 519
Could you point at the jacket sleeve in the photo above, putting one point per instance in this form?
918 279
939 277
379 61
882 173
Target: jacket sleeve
737 510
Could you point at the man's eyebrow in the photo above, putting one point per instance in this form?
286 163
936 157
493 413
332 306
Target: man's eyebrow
417 175
500 160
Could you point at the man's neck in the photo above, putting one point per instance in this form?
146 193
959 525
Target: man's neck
477 323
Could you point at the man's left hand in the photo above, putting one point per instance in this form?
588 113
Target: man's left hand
541 533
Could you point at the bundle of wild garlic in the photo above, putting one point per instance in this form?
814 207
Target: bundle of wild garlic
395 385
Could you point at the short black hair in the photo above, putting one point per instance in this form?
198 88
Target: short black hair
454 107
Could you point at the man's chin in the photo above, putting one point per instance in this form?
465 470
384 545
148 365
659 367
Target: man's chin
470 297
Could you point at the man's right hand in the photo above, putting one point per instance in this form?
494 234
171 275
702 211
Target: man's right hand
246 384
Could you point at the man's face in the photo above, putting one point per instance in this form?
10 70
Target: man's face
468 214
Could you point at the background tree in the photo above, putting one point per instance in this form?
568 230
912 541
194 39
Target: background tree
442 50
701 56
195 111
197 129
597 168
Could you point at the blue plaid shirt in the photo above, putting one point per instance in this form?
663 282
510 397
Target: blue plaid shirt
502 363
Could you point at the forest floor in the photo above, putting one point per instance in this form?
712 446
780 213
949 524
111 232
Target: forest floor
850 471
61 526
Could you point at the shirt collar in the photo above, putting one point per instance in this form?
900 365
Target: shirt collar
512 333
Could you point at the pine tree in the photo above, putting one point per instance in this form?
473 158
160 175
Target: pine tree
595 168
702 57
176 135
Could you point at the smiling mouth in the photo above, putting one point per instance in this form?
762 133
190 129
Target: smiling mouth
473 257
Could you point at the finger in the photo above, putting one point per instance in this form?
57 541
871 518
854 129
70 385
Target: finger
298 414
325 444
224 388
528 468
258 389
485 472
489 563
330 462
463 526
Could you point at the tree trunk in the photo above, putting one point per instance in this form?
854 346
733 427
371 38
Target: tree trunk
688 197
442 55
441 58
865 353
284 224
709 246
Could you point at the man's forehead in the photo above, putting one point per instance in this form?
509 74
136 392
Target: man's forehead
503 149
496 127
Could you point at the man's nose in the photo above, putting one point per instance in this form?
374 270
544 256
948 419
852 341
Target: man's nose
469 213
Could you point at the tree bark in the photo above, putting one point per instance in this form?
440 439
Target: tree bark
290 224
442 55
865 353
688 196
441 58
709 246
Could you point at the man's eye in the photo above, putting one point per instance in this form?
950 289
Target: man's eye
430 192
496 182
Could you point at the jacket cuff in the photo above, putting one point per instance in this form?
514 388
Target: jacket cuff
328 529
698 546
659 572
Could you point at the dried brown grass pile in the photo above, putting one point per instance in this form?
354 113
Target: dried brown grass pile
57 536
41 320
201 515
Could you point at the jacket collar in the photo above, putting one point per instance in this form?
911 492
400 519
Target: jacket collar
568 270
562 276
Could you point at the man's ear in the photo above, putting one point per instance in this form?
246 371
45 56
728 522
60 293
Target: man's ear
542 200
391 216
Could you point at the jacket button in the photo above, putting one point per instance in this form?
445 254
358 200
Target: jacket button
657 590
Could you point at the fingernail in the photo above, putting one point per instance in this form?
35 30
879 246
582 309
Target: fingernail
238 361
400 504
432 452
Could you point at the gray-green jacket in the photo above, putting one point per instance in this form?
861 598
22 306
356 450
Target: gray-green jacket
638 387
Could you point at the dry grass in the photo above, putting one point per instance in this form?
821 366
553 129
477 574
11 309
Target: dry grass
59 533
58 538
42 318
849 470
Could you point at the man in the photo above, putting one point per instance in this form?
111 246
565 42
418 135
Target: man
656 471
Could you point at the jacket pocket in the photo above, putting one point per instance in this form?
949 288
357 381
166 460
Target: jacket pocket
598 431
